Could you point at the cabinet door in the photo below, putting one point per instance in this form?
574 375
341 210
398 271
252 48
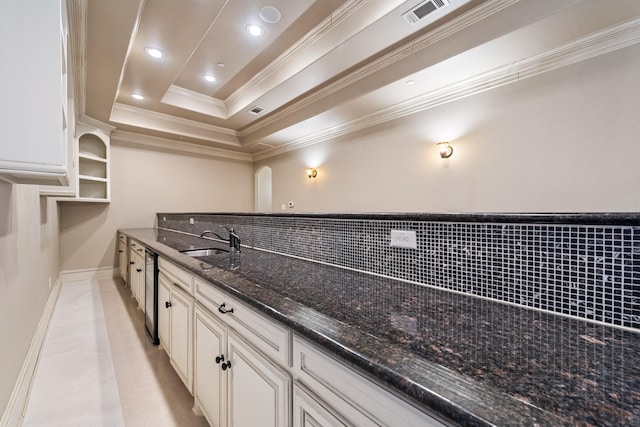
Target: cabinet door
259 392
122 260
164 298
209 380
132 261
140 281
31 79
310 411
181 319
137 277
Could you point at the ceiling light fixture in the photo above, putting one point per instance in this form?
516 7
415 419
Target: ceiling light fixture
410 82
270 14
445 149
154 52
137 96
210 78
255 30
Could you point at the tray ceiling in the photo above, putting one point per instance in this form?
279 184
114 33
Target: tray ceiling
324 69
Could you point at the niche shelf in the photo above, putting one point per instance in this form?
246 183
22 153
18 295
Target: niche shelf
90 165
93 168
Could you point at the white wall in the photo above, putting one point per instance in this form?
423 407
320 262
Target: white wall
144 182
28 259
564 141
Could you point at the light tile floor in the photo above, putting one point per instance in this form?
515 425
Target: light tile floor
97 367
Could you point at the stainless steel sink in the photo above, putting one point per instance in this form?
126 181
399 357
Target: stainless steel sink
199 253
214 258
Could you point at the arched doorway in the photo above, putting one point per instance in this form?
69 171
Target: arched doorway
263 189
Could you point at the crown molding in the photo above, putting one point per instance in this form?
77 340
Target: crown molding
401 53
120 137
139 117
601 42
90 121
301 47
184 98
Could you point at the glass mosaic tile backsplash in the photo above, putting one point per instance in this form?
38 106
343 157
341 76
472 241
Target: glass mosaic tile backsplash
586 271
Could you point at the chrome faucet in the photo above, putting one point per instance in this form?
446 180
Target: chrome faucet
234 239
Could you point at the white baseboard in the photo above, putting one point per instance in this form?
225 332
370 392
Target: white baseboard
14 413
89 274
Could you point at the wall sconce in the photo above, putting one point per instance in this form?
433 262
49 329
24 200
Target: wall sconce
445 149
311 173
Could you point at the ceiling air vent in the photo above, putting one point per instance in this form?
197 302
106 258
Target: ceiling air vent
256 110
423 9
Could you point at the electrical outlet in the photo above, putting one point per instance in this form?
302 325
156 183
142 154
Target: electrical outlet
404 239
191 221
284 207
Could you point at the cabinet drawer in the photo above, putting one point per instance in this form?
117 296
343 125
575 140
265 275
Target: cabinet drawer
264 334
354 397
176 275
136 247
137 258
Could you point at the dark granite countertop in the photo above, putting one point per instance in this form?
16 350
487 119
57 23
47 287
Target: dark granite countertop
474 361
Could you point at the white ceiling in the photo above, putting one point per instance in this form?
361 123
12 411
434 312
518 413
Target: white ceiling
327 68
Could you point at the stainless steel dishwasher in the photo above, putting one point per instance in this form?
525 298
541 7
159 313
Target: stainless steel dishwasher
151 296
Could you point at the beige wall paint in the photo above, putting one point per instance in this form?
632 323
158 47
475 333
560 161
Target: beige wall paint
28 259
144 182
560 142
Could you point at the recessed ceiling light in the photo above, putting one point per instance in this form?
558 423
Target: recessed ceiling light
210 78
255 30
270 14
221 64
410 82
154 52
137 96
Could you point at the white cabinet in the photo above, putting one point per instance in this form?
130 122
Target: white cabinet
181 335
33 79
259 391
175 319
245 369
209 388
235 384
164 298
310 411
136 270
123 258
269 337
328 393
